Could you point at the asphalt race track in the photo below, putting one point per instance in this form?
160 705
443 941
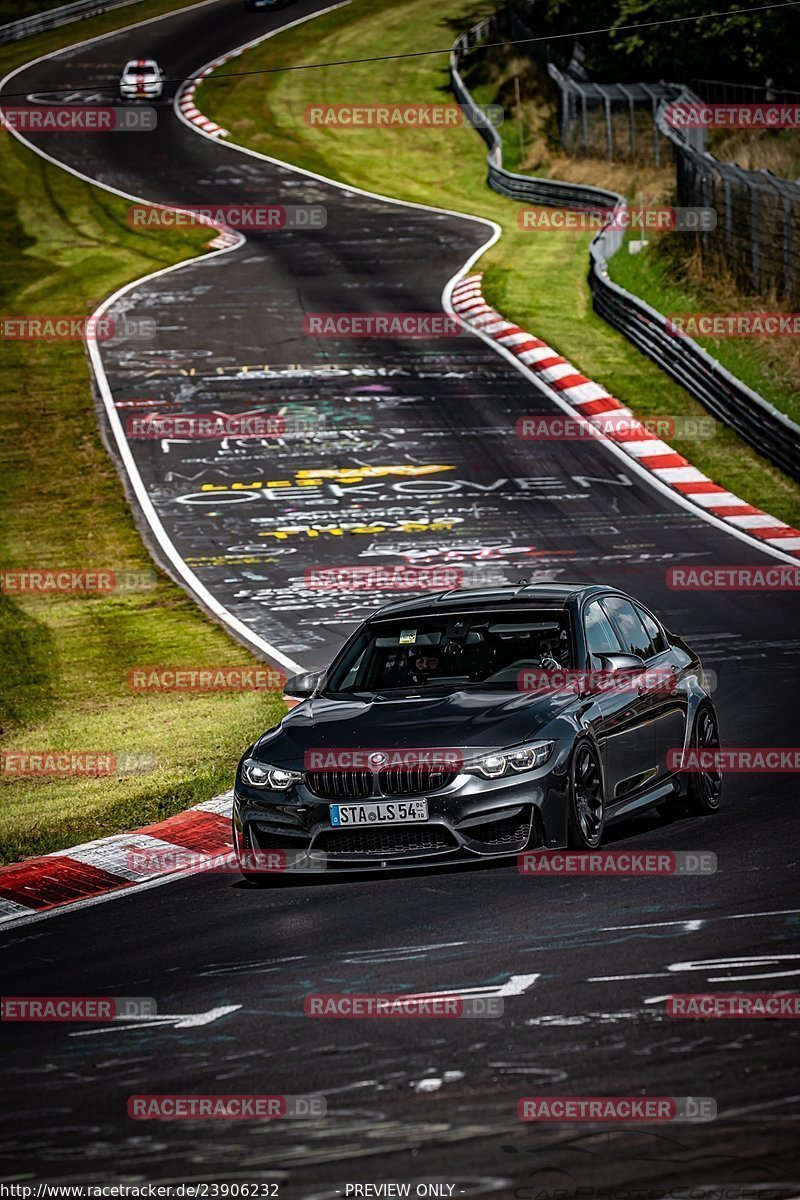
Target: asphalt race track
581 963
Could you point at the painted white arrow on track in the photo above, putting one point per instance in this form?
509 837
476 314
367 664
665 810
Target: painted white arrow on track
515 985
178 1020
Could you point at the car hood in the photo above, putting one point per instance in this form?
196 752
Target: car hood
482 720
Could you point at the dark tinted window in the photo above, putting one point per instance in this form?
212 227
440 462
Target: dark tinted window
632 633
654 630
601 637
477 649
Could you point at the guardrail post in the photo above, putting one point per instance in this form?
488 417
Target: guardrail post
787 247
609 137
726 185
755 213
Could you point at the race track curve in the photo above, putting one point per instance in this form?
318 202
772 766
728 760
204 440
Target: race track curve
587 958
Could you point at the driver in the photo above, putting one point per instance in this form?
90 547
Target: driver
422 667
553 651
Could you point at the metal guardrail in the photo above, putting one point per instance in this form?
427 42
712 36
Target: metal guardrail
769 431
757 236
41 22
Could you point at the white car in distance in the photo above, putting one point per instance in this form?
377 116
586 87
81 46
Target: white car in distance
141 79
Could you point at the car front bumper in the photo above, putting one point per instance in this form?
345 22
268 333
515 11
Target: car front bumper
470 818
134 93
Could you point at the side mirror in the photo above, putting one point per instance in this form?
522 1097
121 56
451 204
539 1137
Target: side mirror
300 687
621 662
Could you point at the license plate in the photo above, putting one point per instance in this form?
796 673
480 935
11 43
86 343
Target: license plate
396 813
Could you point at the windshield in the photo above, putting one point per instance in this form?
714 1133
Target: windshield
148 71
471 650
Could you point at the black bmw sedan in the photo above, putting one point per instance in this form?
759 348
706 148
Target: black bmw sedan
479 723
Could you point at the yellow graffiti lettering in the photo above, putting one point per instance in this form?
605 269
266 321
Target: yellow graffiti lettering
339 530
356 474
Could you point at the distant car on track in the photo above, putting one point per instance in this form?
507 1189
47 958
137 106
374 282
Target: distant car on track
141 79
476 724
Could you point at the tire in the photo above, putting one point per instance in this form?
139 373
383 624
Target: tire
704 790
587 807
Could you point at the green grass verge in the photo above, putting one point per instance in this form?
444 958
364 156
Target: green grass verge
536 279
64 659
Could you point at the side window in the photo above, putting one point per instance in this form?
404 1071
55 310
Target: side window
654 630
600 635
632 633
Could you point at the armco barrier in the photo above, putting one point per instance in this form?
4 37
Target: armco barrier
40 22
769 431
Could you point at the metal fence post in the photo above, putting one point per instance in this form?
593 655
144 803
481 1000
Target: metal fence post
788 275
755 212
726 185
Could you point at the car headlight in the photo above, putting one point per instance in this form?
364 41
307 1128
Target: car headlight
262 775
510 762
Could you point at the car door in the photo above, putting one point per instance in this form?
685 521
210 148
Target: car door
624 723
670 698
